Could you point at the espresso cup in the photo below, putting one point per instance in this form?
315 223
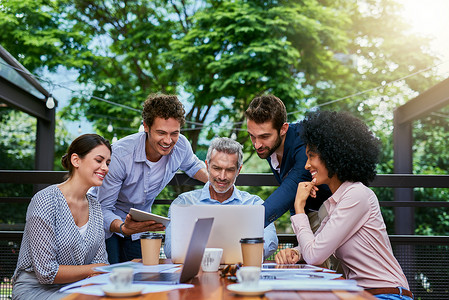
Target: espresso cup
121 278
150 244
248 276
211 259
252 251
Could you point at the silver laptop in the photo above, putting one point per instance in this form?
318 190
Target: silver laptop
231 223
195 251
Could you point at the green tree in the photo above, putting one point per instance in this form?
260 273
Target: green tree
36 34
128 39
220 54
235 50
431 143
341 55
17 152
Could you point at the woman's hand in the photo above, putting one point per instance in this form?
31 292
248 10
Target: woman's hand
94 272
305 189
71 273
287 256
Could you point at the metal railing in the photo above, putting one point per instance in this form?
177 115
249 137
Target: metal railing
424 259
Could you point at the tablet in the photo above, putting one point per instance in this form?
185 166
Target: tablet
272 267
140 215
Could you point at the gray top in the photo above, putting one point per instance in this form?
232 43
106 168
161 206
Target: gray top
51 237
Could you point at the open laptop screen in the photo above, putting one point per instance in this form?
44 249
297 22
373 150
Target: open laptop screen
231 223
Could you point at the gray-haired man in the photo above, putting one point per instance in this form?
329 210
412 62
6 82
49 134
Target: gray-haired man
224 162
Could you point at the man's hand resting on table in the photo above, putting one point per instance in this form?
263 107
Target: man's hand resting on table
287 256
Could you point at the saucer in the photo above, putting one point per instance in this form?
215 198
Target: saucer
133 290
239 289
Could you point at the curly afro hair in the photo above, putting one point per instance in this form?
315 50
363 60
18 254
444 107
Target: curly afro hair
344 143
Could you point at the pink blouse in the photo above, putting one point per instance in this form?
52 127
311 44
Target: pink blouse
355 232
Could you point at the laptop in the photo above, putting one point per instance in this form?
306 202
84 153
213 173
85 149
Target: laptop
194 255
231 223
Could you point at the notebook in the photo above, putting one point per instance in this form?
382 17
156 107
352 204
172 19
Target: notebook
194 255
231 223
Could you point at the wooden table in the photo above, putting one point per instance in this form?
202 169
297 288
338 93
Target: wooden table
212 286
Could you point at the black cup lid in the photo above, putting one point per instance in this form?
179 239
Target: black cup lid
256 240
151 235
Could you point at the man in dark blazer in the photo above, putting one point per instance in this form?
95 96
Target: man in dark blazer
278 142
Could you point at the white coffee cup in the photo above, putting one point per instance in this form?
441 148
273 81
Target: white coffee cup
121 278
248 276
211 259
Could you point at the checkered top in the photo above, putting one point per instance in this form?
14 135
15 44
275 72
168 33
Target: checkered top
51 237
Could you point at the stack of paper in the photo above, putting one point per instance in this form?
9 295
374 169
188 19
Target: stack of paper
311 285
93 285
303 277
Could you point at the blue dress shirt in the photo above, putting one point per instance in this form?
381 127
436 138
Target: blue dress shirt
202 197
127 183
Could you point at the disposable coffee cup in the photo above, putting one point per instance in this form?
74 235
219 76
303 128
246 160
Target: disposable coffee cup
150 244
252 251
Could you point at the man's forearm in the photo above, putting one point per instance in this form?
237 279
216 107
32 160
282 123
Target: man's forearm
115 225
202 175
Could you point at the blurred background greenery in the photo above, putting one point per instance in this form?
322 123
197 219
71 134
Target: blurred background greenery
356 56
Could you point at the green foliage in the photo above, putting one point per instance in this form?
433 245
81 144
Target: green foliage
431 142
17 150
219 55
16 142
125 62
432 220
236 50
35 33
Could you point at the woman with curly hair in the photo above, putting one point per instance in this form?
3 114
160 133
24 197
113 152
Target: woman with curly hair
342 152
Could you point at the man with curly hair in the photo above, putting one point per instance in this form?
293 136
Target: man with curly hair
343 153
142 164
278 142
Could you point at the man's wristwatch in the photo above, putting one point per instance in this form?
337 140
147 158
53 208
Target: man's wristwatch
121 230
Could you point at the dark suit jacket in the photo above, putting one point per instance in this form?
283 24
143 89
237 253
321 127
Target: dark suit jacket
291 174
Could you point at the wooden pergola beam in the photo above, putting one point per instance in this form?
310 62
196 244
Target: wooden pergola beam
427 102
17 97
22 100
